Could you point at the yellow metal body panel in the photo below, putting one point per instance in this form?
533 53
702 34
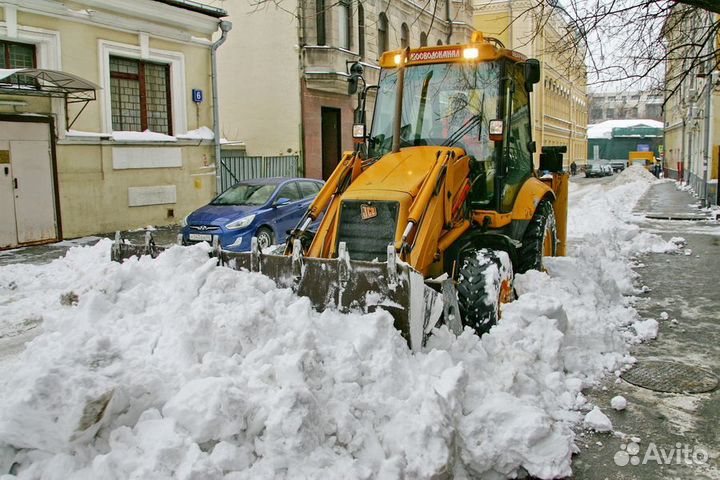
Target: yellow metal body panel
531 192
486 52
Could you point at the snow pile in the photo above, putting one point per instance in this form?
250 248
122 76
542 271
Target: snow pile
601 216
179 368
597 420
618 403
634 173
202 133
146 136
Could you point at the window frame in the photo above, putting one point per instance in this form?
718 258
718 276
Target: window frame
178 82
20 79
140 78
404 35
347 42
5 44
320 23
361 30
382 34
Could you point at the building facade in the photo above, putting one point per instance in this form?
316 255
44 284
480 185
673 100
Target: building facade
560 103
287 94
625 105
692 119
102 133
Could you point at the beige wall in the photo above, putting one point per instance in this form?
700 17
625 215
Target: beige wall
94 196
259 79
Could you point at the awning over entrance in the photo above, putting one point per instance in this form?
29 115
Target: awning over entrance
46 83
40 82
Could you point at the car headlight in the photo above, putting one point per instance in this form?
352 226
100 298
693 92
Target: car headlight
240 223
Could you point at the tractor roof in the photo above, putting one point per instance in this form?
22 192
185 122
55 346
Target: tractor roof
478 50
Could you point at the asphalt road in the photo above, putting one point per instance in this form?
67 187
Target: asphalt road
687 288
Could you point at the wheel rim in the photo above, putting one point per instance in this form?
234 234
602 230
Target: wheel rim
263 240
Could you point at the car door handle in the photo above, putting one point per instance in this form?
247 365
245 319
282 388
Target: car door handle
15 182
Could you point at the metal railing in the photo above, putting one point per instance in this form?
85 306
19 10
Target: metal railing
235 167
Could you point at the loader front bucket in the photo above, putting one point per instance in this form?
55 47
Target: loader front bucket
348 284
340 283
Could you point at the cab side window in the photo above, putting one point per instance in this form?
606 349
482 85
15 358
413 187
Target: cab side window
520 162
309 189
289 191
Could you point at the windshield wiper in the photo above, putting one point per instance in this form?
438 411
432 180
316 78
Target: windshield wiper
421 108
467 126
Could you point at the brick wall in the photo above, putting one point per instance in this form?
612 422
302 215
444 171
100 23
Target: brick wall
312 102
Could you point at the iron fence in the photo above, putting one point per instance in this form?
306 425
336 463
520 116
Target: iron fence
236 167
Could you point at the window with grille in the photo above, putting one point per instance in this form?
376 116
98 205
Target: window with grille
140 96
17 55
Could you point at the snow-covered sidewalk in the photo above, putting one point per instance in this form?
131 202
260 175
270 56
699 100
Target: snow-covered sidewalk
176 368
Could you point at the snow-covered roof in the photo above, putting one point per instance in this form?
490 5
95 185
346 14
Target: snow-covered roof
604 129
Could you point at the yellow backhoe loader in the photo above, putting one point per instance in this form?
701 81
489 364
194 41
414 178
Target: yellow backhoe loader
438 205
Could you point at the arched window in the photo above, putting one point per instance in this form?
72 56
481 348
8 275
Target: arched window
345 24
423 39
320 21
439 42
404 35
382 34
361 30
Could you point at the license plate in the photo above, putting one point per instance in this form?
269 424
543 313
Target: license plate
199 237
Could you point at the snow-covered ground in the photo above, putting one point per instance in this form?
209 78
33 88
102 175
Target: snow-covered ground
176 368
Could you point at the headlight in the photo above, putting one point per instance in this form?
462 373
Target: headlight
240 223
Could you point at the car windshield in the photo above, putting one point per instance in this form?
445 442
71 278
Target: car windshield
245 194
443 104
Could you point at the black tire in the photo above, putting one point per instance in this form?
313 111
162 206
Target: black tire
265 237
479 303
530 254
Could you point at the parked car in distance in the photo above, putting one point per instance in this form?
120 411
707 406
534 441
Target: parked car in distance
595 170
265 208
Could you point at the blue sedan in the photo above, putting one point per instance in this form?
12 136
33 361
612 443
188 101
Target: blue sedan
265 208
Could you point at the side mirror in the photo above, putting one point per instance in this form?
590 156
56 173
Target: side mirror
532 73
551 158
356 71
280 202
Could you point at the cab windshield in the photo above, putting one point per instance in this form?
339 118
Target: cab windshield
446 104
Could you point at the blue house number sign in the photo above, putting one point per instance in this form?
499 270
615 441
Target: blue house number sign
197 95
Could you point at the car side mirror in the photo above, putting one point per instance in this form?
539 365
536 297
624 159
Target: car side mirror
280 202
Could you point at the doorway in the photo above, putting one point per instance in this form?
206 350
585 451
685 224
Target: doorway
330 138
28 193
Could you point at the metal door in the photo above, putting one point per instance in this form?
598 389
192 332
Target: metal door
8 229
27 192
34 196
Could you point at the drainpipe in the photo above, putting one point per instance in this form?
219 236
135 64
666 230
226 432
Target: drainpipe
225 27
708 146
450 23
